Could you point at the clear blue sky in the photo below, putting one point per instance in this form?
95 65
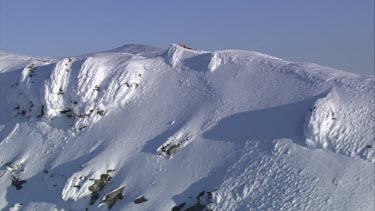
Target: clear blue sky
335 33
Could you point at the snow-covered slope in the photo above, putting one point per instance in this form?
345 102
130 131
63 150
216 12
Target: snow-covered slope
185 129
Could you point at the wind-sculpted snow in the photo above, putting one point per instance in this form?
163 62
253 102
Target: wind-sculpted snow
342 125
184 129
288 178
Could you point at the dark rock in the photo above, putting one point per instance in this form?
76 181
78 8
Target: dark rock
171 150
45 171
94 197
200 195
99 183
97 88
140 199
41 112
81 127
100 112
184 46
10 165
112 197
178 207
209 195
17 182
97 186
196 207
81 115
203 199
66 111
23 112
60 92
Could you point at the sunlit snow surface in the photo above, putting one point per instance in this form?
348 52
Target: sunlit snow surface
255 131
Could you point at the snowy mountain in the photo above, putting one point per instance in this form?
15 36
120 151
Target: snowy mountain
142 128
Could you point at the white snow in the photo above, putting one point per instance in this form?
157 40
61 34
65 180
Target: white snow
253 130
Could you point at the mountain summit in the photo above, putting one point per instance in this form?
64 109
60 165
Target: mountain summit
144 128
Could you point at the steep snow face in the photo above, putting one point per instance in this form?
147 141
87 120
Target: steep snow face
79 88
338 123
181 57
227 130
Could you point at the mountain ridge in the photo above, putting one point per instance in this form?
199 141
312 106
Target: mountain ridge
227 130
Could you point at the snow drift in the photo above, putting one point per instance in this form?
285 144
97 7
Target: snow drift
142 128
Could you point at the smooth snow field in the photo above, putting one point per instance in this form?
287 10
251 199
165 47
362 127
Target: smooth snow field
144 128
